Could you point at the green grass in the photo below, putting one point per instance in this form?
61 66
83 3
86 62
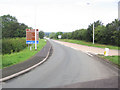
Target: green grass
114 59
15 58
90 44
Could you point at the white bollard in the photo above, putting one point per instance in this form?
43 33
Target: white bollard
106 52
30 48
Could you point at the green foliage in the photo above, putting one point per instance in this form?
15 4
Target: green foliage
67 35
55 35
58 33
114 59
108 34
52 35
13 45
89 33
12 28
100 34
41 34
25 54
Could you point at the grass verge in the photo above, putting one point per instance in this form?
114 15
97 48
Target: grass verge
114 59
90 44
15 58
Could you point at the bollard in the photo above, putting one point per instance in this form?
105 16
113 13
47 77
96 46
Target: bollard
30 48
106 51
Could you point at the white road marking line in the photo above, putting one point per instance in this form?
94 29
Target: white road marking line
89 54
74 48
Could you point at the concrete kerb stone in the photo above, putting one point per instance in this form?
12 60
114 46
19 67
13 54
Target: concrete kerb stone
28 69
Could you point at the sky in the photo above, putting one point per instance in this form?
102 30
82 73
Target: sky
60 15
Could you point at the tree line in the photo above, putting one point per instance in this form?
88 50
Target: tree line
13 33
11 28
104 34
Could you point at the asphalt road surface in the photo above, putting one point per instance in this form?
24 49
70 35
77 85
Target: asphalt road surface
66 66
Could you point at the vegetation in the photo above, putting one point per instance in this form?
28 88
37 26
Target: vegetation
52 35
11 28
55 35
81 42
108 34
14 48
41 34
17 57
114 59
13 45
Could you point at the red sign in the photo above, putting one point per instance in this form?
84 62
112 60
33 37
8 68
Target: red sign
30 34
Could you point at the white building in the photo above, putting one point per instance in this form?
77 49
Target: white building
119 10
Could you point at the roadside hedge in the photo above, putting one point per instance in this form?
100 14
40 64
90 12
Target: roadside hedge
11 45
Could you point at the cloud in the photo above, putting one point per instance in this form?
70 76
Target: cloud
60 15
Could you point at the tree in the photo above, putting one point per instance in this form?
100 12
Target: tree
12 28
58 33
41 34
100 34
89 33
113 32
52 35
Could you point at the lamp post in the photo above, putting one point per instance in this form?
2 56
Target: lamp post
119 10
93 27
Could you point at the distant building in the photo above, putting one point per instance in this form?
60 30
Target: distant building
119 10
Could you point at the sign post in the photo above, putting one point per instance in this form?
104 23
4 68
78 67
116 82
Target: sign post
35 39
32 37
93 32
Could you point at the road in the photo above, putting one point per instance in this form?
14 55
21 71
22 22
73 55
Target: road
66 66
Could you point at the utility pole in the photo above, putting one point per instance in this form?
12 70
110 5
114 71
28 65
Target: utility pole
93 33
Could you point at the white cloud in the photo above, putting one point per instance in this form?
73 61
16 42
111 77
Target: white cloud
60 15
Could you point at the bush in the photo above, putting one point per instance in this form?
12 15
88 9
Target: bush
13 45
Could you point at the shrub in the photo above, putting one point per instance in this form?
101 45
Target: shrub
13 45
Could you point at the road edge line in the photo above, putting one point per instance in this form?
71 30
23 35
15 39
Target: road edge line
26 70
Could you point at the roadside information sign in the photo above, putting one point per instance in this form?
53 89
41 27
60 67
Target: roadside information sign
30 36
59 36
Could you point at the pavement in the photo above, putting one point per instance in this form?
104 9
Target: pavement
68 67
88 49
41 55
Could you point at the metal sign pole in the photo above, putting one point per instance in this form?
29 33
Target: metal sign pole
93 33
35 40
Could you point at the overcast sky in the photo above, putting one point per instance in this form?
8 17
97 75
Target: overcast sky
60 15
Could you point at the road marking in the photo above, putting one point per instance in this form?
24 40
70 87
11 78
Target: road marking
74 48
89 54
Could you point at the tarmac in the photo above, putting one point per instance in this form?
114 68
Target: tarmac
41 55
